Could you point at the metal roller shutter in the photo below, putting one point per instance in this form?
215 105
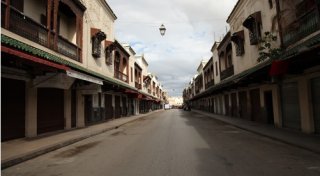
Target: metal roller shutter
290 106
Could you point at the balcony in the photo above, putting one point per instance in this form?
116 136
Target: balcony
306 23
121 76
209 84
137 85
227 73
26 27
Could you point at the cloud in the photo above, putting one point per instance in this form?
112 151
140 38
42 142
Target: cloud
192 26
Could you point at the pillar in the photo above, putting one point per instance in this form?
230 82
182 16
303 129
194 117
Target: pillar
277 116
31 110
307 125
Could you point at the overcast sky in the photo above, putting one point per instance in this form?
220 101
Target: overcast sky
192 26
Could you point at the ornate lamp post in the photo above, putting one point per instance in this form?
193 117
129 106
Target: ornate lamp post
162 30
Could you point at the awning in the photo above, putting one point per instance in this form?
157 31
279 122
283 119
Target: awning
33 58
235 37
233 80
85 77
108 43
53 80
255 17
130 91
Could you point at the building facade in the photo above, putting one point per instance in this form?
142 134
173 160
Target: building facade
280 89
62 68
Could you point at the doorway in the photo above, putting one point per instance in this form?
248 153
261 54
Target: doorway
268 102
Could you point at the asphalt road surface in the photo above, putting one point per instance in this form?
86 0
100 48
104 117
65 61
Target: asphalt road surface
173 143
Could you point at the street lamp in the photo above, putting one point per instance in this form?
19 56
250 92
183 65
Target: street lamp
162 30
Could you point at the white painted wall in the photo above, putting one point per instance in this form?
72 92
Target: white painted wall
241 12
97 16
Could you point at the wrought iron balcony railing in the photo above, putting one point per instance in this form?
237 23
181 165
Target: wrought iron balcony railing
209 84
121 76
227 73
19 23
306 24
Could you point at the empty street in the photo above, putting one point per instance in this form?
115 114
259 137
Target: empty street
173 142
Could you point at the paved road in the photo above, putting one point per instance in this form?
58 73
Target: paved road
173 143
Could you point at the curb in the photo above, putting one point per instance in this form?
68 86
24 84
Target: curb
311 149
19 159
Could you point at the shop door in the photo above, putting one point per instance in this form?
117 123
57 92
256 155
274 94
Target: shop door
124 106
255 105
221 104
234 108
290 106
50 110
315 88
269 106
212 105
243 105
117 109
108 106
88 110
12 109
130 106
226 104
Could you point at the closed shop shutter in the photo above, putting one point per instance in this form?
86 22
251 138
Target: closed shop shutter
226 104
290 106
212 105
315 88
255 105
108 106
130 107
88 110
117 109
12 109
124 106
234 108
243 105
50 110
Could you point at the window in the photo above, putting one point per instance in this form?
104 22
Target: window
253 24
96 43
117 62
238 39
229 56
108 55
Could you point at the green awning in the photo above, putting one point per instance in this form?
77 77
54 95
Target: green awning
48 56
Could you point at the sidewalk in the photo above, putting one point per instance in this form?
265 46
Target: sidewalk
19 150
298 139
